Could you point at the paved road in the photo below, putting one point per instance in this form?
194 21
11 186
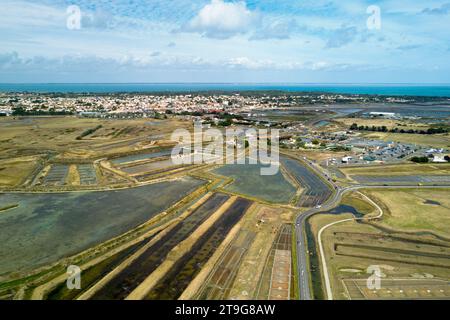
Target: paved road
302 248
302 251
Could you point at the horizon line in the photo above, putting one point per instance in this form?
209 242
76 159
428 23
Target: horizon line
233 83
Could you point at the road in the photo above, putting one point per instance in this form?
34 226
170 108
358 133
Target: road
322 251
302 248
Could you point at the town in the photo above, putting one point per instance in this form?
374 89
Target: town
224 193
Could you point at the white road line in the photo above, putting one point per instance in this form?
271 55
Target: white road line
322 253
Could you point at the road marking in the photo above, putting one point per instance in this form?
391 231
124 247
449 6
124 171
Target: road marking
322 253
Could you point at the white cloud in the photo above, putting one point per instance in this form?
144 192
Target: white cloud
342 36
267 64
280 30
246 63
12 61
222 20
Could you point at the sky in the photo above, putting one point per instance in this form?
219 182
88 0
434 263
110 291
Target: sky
257 41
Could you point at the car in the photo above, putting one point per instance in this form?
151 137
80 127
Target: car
318 206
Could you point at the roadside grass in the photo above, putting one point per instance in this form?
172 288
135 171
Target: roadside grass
313 262
399 169
295 295
356 201
402 241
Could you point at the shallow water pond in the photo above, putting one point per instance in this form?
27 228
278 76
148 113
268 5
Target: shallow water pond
249 181
48 226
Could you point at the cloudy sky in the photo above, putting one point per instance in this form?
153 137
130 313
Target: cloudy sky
314 41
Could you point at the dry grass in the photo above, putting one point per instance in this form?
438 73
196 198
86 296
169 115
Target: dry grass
73 177
14 172
431 140
32 135
408 210
395 170
389 123
245 285
351 247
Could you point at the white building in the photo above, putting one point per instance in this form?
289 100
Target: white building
439 158
346 159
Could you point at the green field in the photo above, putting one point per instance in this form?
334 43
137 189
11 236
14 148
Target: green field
416 210
432 140
399 169
410 244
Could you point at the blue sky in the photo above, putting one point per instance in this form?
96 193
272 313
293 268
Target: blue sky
320 41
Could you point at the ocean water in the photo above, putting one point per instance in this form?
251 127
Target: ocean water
380 89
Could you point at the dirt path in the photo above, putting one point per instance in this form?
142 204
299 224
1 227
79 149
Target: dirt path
166 228
201 278
176 253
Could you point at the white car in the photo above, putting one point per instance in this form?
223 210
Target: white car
318 207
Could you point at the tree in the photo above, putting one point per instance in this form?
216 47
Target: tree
225 123
419 159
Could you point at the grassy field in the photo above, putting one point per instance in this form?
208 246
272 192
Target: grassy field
389 123
15 171
29 144
356 201
416 210
400 169
432 140
65 135
407 245
239 272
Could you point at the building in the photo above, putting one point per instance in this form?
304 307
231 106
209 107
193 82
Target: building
346 159
382 114
439 158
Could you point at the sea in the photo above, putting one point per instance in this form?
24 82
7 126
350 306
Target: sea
425 90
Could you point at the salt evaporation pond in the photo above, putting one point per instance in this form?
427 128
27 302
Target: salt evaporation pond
249 181
46 227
